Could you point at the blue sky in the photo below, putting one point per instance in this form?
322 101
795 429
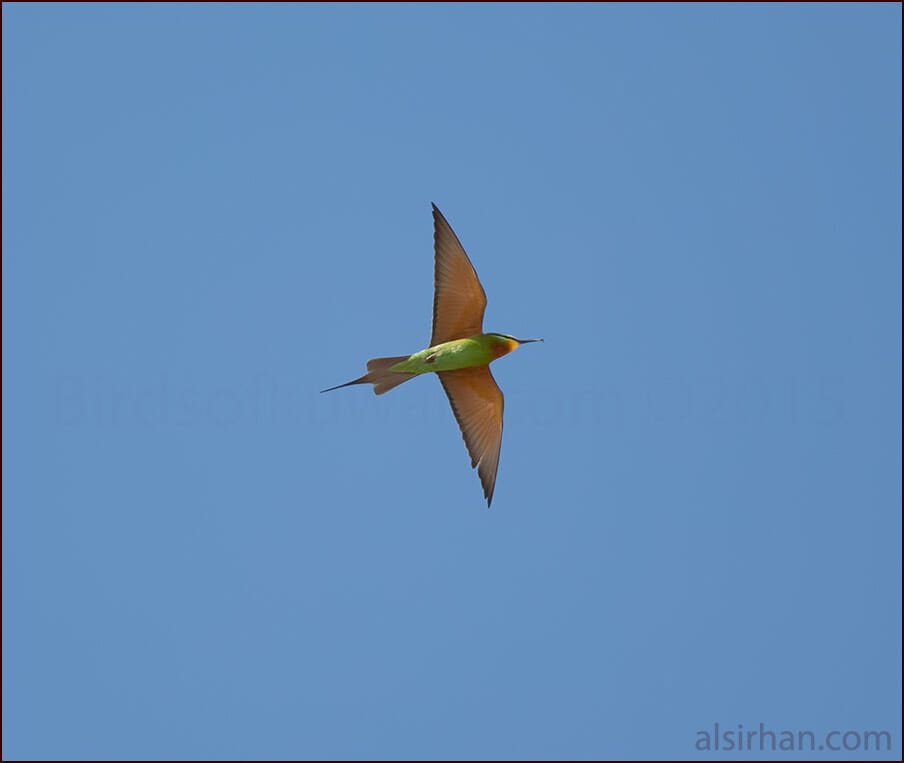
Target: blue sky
210 213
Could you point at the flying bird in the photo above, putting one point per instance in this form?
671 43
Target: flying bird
459 354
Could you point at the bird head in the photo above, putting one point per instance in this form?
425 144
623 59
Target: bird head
504 344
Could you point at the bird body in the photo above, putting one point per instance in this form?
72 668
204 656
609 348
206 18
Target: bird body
472 351
459 353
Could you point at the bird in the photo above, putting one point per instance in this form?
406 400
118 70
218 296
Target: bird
459 353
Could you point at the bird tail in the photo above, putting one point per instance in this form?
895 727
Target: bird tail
380 375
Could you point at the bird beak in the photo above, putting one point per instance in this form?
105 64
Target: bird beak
525 341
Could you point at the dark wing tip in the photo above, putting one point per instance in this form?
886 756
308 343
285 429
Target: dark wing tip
488 490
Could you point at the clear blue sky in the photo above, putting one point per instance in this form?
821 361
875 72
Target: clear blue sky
211 213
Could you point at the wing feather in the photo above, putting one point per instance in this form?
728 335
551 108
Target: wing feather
477 403
459 300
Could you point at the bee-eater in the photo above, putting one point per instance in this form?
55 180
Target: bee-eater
459 353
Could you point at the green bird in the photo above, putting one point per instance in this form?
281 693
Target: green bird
459 354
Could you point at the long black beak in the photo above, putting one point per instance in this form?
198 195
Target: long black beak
526 341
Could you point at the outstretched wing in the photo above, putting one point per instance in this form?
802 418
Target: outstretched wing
458 298
477 403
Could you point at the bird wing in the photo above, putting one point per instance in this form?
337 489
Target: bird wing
477 403
458 298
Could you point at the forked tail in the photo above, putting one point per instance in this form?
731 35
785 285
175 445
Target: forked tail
379 374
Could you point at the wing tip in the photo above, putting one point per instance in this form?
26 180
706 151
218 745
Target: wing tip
489 489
